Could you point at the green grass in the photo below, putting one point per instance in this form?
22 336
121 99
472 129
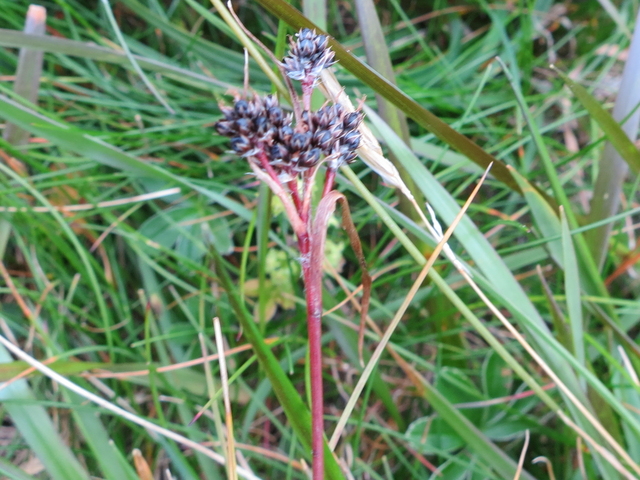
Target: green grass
134 286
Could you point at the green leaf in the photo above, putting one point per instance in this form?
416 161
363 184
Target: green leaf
430 435
84 144
15 39
12 472
111 462
612 129
35 426
473 437
572 291
545 217
177 227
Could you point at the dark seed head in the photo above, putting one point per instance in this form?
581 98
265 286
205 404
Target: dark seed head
228 112
324 140
240 144
308 56
305 47
244 126
285 133
279 152
270 101
225 127
349 157
306 34
310 158
261 125
351 140
352 120
276 116
346 155
241 108
300 141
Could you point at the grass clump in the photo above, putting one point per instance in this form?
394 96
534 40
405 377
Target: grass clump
126 227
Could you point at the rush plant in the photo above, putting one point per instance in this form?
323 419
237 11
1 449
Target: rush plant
286 151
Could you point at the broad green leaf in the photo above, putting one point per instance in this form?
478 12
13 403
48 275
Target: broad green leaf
178 227
496 376
474 438
430 435
12 472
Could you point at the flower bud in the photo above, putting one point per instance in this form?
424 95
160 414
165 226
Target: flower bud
241 108
309 158
300 141
244 126
240 144
225 127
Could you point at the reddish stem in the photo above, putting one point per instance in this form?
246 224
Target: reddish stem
295 196
264 163
329 178
313 293
307 90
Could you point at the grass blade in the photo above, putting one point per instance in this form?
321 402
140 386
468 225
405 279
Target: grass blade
102 152
28 74
37 429
613 165
545 218
572 291
15 39
628 102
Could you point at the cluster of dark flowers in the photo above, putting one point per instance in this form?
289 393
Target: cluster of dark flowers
308 56
261 130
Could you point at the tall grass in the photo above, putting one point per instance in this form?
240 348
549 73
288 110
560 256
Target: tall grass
126 228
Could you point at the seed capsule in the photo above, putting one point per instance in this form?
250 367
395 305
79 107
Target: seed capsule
300 141
305 47
279 152
240 144
261 125
310 158
352 120
352 140
241 108
324 140
270 101
276 116
225 127
285 133
228 112
244 126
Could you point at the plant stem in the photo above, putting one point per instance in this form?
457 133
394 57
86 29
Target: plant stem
328 181
313 292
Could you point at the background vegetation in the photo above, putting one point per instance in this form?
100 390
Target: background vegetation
118 204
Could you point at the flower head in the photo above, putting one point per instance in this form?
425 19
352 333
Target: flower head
308 55
261 131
